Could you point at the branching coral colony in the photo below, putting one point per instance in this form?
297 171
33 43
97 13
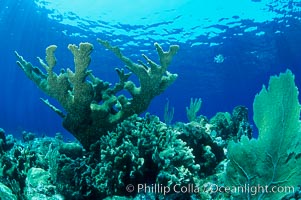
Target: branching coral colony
93 107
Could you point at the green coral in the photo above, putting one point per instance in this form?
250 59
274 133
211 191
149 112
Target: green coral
193 109
272 160
38 185
139 150
168 113
93 107
6 193
142 150
232 126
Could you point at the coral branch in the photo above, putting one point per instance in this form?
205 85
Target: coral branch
93 107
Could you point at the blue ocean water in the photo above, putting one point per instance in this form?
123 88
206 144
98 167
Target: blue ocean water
255 39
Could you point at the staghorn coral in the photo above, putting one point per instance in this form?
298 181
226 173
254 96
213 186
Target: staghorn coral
93 107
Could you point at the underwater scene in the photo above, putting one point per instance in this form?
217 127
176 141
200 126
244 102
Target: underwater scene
150 100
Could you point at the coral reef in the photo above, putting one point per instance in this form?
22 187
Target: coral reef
142 153
232 127
93 107
139 150
121 150
196 156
